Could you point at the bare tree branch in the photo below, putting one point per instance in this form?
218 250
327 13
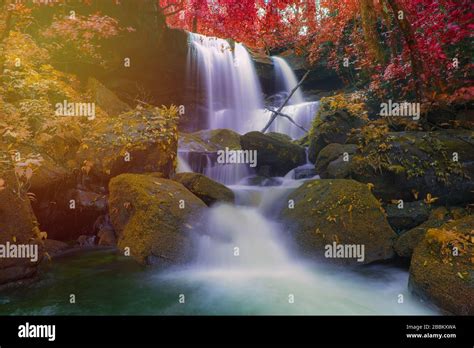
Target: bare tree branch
275 113
289 118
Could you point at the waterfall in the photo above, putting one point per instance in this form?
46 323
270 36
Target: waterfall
227 76
286 80
205 163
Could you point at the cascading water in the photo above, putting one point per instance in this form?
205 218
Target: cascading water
286 80
227 76
243 265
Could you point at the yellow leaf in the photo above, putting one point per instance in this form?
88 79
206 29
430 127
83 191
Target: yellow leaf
14 239
370 186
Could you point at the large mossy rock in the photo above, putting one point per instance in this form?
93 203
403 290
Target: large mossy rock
331 127
409 165
341 211
18 226
142 140
441 277
209 140
154 217
276 156
208 190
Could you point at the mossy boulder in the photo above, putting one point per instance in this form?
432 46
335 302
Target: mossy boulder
153 217
331 127
279 136
18 226
340 211
405 216
441 269
408 165
208 190
276 156
142 140
407 241
209 140
334 160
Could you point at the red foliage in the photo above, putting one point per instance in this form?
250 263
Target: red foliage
333 29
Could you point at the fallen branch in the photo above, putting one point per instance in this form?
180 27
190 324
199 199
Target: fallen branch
289 118
276 112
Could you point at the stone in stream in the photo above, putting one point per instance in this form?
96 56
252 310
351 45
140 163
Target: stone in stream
276 154
54 247
209 140
441 269
322 212
206 189
153 218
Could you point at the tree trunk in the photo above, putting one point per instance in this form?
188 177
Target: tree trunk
369 26
409 36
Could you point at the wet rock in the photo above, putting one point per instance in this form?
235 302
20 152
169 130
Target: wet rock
148 218
106 237
263 181
104 230
275 155
441 269
209 140
412 214
85 241
54 247
304 173
342 212
208 190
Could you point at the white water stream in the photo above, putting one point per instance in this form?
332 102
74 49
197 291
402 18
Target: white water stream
244 260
